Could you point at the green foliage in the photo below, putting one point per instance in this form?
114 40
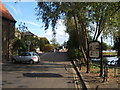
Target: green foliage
104 46
53 40
74 54
95 65
49 48
118 76
43 41
56 45
117 45
109 53
35 43
104 15
19 46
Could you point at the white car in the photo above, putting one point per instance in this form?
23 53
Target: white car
30 57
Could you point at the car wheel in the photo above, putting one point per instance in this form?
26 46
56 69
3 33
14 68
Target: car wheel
31 62
13 61
38 61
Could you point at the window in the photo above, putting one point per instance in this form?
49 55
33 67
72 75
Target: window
35 54
22 54
27 54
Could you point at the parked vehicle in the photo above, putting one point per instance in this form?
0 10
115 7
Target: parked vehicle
30 57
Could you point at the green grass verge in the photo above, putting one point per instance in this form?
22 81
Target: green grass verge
109 53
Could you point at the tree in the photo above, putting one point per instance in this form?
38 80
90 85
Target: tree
35 43
19 46
104 46
103 16
65 44
117 43
43 41
53 40
82 19
49 48
58 9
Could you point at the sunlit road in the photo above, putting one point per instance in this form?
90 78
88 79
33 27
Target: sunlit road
49 73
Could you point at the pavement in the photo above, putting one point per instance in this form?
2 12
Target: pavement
96 83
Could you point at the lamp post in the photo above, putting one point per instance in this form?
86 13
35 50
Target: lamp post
88 67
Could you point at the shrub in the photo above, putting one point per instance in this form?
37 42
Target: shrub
74 54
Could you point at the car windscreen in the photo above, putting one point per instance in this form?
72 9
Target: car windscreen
35 54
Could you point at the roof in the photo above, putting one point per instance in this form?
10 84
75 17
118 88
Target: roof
5 13
29 33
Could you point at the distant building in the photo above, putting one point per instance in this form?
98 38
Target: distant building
8 30
28 33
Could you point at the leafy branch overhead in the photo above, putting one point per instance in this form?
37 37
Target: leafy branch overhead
87 13
82 20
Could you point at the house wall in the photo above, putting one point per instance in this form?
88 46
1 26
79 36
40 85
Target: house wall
0 40
8 30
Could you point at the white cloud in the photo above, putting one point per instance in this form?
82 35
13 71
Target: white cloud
61 36
60 22
15 9
30 22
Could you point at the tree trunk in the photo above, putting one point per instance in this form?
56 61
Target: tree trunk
84 55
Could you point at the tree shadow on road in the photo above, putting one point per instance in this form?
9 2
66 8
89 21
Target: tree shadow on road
44 75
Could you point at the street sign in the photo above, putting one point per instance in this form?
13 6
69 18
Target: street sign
28 42
94 49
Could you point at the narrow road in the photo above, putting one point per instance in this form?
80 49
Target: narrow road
53 71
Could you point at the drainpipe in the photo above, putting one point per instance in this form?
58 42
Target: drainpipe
8 41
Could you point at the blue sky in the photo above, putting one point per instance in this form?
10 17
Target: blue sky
25 12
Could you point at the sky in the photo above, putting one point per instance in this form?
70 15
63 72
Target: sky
25 12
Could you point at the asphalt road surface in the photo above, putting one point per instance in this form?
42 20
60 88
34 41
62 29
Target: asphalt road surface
53 71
